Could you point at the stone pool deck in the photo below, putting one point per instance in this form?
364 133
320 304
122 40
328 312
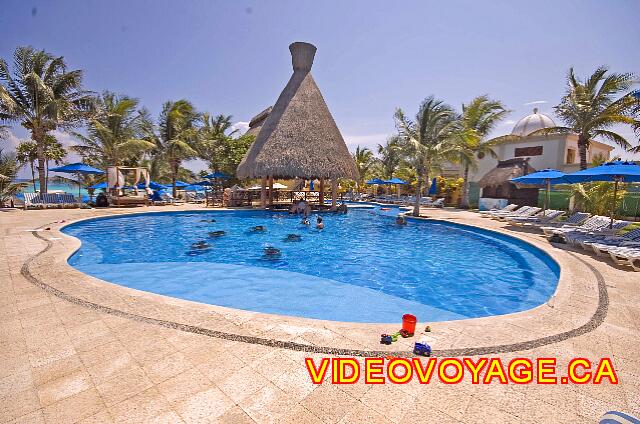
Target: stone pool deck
77 349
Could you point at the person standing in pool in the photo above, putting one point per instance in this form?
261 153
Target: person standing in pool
319 223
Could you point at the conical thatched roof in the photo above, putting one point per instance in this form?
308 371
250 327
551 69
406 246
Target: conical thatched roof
257 121
505 171
299 137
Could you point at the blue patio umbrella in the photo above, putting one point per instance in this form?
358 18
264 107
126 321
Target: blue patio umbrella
433 190
77 168
194 187
376 181
203 183
395 181
544 177
217 175
181 184
152 185
616 172
99 186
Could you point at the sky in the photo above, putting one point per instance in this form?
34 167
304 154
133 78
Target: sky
232 57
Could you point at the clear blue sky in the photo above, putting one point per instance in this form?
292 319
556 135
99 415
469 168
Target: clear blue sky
231 57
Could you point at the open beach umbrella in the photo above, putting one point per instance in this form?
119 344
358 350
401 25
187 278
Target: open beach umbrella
396 181
204 183
98 186
153 185
545 177
181 184
77 168
376 181
617 172
217 175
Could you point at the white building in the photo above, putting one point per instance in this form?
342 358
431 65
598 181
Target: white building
552 151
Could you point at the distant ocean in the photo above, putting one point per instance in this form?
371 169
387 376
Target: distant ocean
66 187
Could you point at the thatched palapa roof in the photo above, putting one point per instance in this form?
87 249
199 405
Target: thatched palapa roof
256 122
506 170
299 138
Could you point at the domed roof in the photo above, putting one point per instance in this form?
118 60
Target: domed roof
531 123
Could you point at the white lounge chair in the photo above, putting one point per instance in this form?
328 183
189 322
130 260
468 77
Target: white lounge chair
518 212
530 212
591 223
576 237
541 218
626 256
509 208
602 246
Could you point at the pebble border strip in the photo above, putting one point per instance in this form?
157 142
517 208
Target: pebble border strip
596 319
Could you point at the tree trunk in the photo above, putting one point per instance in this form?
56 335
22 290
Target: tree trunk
38 137
174 174
464 201
416 206
583 145
33 176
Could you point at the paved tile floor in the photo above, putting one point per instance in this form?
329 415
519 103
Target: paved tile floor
64 363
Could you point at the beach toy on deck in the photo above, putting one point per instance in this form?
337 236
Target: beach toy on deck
409 323
394 337
404 333
428 329
422 349
386 339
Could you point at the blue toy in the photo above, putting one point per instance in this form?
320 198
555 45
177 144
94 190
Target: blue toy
385 339
422 349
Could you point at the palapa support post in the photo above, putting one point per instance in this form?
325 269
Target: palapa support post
270 190
321 197
263 193
334 193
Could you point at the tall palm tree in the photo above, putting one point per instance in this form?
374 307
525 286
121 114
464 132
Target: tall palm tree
427 143
478 119
591 107
390 157
117 134
8 170
178 135
364 160
43 96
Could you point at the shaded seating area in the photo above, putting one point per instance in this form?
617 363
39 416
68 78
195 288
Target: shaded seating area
122 194
50 200
298 139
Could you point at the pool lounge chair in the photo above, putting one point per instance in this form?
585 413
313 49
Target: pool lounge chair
530 212
601 247
626 256
509 208
541 218
574 220
520 211
589 224
577 237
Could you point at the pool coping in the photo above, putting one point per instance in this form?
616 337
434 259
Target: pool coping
318 336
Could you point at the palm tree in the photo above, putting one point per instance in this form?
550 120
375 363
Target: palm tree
117 134
427 143
27 153
591 107
8 169
364 160
216 142
178 135
43 96
390 157
478 119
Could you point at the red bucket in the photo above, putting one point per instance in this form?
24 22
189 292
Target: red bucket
409 323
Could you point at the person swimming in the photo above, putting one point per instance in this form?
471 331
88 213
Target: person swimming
201 245
271 252
401 220
258 229
217 233
293 237
319 223
207 220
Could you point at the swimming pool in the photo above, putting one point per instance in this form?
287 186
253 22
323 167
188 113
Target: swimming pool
362 267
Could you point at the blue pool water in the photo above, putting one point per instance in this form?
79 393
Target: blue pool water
361 267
